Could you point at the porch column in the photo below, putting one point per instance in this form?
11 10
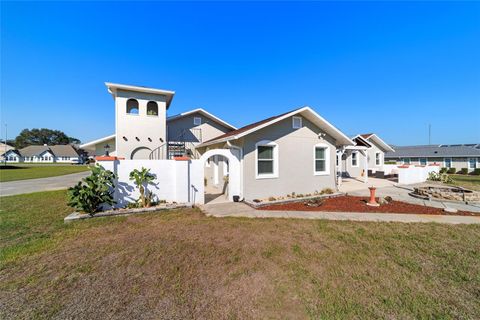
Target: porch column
365 166
339 167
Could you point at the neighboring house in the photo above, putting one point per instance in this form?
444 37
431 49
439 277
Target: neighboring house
44 154
368 154
456 156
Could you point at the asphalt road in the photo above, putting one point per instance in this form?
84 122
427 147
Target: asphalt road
43 184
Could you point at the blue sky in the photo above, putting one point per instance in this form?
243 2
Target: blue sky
389 68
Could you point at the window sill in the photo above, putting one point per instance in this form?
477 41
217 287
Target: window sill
325 173
132 114
152 115
266 176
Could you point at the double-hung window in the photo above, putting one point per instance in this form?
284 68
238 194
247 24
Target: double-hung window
423 161
321 156
377 158
197 121
355 159
267 159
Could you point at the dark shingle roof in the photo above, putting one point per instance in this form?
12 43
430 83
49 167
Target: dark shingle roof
435 151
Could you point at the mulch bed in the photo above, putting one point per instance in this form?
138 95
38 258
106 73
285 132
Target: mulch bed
358 204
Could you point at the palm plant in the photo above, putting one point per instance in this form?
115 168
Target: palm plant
143 178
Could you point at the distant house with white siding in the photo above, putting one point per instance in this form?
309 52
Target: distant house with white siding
456 156
43 154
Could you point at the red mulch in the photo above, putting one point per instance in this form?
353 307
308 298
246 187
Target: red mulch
358 204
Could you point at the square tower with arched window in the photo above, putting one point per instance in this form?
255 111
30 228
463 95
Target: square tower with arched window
140 119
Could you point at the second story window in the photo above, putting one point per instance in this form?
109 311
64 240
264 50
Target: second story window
152 108
197 121
132 106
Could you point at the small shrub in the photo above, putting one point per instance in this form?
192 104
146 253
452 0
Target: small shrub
476 172
390 162
300 195
293 194
315 202
443 170
94 191
257 200
272 198
451 171
327 191
463 171
442 177
388 199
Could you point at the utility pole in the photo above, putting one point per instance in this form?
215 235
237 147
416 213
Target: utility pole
5 153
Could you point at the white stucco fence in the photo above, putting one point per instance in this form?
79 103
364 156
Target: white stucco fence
176 181
411 174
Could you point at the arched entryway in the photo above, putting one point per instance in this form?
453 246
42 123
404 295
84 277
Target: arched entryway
140 153
227 179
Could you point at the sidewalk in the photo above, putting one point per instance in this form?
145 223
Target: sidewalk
232 209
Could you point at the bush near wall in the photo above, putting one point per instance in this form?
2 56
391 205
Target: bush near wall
476 172
390 162
452 171
463 171
443 170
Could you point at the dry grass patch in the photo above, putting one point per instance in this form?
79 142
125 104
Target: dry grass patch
181 264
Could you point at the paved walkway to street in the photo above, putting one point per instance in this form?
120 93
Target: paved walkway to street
232 209
44 184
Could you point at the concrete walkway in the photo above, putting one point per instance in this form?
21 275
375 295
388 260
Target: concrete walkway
42 184
242 210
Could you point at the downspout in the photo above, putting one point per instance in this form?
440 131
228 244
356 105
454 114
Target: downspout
230 145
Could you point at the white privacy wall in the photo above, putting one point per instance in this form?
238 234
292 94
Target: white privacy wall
176 181
410 174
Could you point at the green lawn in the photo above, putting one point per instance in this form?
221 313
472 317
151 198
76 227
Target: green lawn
466 181
28 171
181 264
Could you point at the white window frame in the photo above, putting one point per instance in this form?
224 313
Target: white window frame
327 160
197 121
351 159
300 122
420 161
379 159
267 143
476 163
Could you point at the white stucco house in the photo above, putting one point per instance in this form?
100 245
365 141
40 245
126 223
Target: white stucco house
294 152
43 154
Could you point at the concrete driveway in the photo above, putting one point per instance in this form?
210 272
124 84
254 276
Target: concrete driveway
44 184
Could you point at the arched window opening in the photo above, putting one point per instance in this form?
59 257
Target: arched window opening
132 106
152 108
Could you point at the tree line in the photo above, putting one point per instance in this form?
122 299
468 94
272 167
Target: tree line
39 137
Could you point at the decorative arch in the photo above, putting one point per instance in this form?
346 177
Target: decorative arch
234 178
140 153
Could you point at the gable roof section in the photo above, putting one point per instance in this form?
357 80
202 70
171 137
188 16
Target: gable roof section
306 111
372 137
11 151
64 151
205 113
361 141
435 151
56 150
94 142
31 151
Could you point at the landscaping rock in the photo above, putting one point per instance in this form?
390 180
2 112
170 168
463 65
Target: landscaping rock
450 210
